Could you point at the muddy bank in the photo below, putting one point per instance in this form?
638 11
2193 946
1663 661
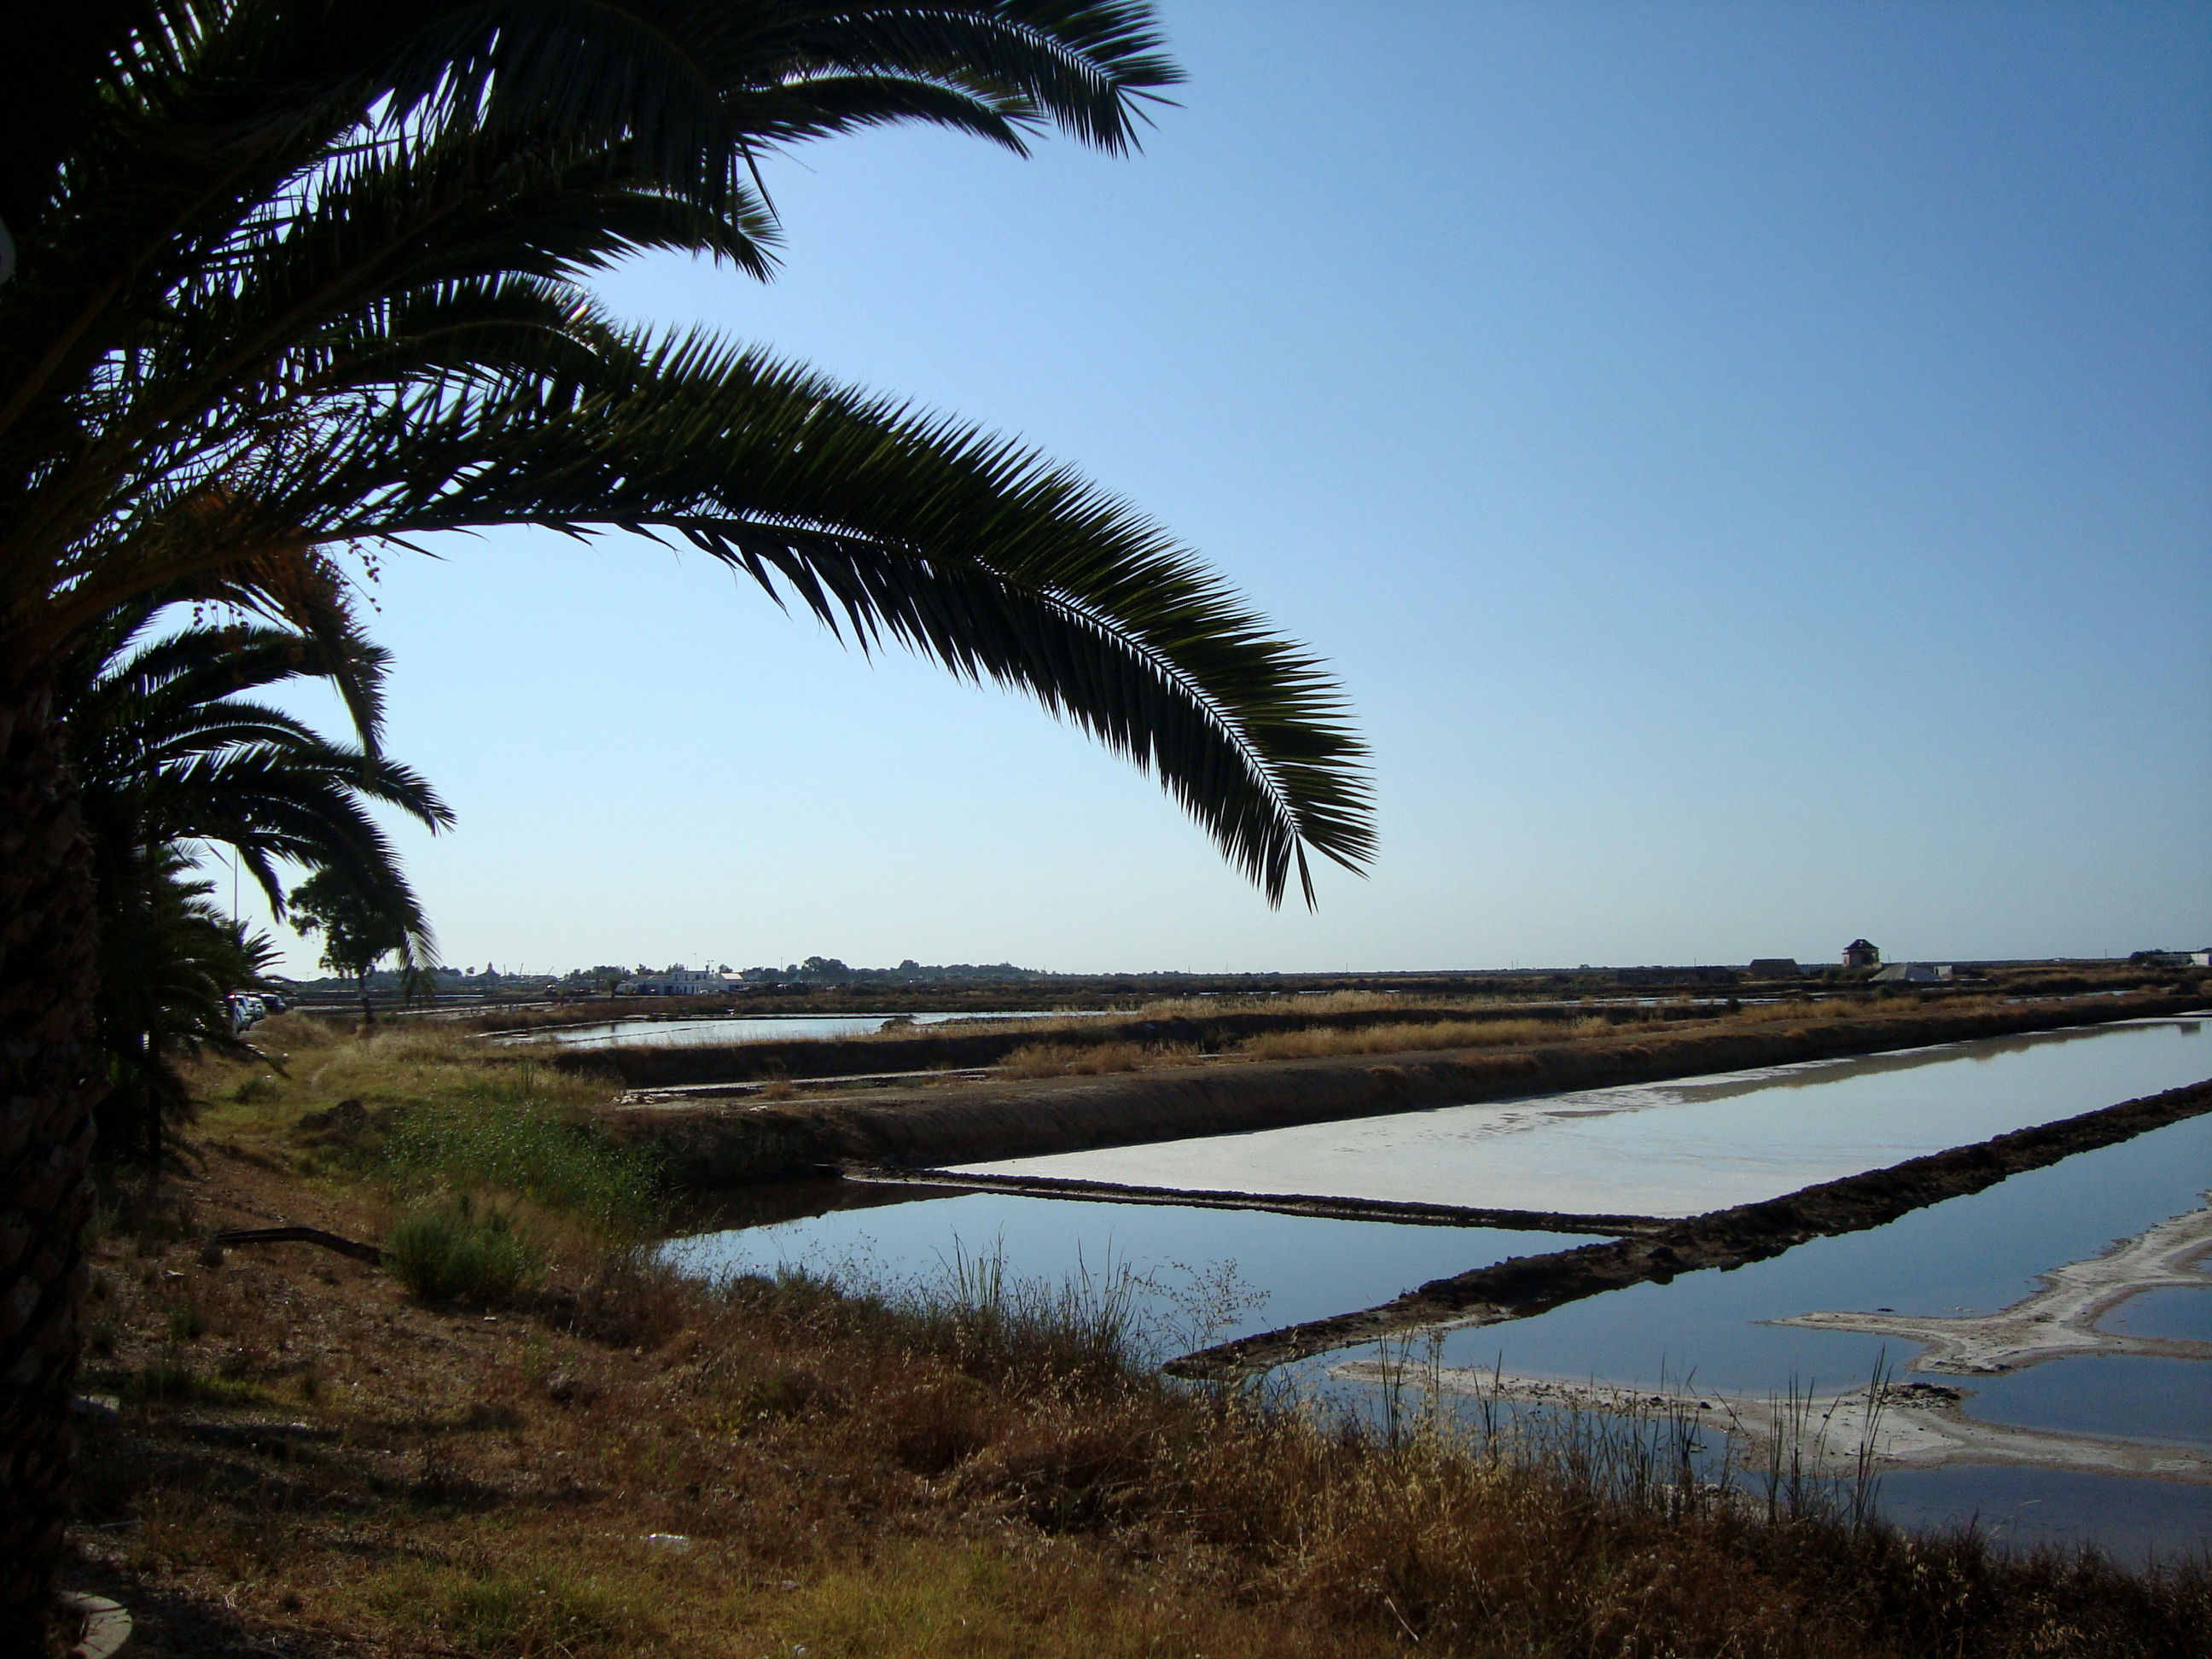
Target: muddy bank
1908 1425
652 1065
713 1144
2060 1318
1334 1208
1524 1285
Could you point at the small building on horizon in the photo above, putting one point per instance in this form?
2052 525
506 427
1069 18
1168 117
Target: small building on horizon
1859 953
1913 973
1773 967
676 982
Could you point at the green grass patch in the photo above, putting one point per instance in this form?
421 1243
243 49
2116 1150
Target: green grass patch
441 1112
497 1133
504 1614
459 1249
178 1385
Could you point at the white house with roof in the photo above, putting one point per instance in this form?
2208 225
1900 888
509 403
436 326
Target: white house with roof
676 982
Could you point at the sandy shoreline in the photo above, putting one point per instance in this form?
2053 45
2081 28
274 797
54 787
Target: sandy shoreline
1524 1285
2060 1319
1910 1425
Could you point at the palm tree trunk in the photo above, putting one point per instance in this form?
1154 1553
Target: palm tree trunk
48 950
153 1127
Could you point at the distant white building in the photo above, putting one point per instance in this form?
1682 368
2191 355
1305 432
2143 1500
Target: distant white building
677 982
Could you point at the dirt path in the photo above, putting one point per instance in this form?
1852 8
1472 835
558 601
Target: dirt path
1908 1426
2060 1318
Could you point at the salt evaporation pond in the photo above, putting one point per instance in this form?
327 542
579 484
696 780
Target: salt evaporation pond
1679 1148
2186 1315
1303 1266
754 1028
1764 1132
1969 1254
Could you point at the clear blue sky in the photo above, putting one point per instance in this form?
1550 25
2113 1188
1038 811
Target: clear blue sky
1751 464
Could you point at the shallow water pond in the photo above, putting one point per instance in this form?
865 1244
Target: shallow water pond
1298 1267
752 1027
2185 1314
2024 1507
1970 1254
1679 1148
2110 1396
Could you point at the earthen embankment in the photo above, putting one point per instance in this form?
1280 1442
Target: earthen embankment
660 1066
721 1143
1522 1285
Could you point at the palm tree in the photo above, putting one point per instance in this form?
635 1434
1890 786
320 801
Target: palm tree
171 751
169 962
300 275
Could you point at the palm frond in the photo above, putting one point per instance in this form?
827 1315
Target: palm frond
887 524
311 282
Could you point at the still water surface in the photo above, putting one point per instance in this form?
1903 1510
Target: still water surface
754 1028
1679 1148
1286 1267
2182 1313
1970 1254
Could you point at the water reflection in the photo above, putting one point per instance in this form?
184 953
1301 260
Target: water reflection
2113 1397
755 1028
1982 1050
2184 1314
2024 1507
1679 1148
1299 1266
1973 1254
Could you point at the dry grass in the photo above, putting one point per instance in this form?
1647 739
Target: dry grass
618 1461
1418 1037
1398 1039
1093 1060
316 1065
431 1113
1330 1002
323 1468
1827 1009
1325 1006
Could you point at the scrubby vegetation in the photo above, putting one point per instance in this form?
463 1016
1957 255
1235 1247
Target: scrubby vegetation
1304 1043
1211 1031
458 1249
1400 1038
423 1110
568 1449
1338 1029
1093 1060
